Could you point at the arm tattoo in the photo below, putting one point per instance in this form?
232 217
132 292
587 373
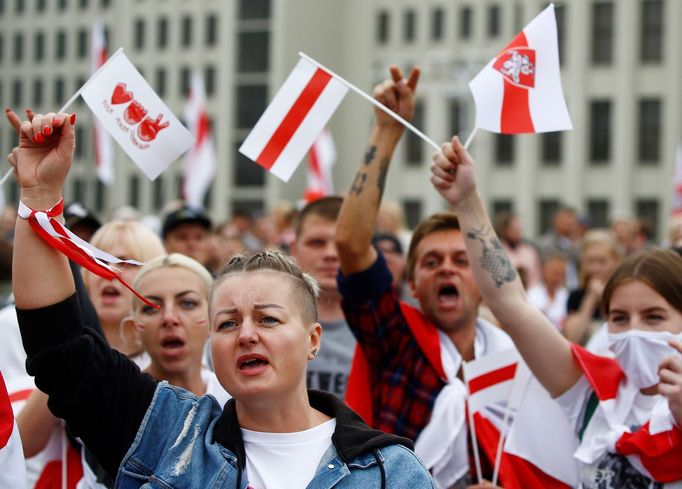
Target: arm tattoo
493 257
381 181
370 154
358 183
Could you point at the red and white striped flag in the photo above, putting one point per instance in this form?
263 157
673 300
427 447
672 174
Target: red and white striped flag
12 464
294 119
677 182
519 91
321 159
489 379
199 166
104 151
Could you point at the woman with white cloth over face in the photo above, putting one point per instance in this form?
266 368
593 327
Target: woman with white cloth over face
262 311
628 410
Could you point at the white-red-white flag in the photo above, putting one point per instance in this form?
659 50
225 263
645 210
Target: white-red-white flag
321 159
519 90
104 151
294 119
199 166
489 379
12 464
677 182
135 116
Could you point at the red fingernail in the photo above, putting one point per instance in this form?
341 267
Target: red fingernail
47 130
73 118
7 110
40 138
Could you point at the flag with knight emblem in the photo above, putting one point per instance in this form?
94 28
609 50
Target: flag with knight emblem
519 90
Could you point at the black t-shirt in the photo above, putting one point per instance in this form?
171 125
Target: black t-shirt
575 298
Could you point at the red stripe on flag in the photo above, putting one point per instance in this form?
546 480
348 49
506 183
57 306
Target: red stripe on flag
516 116
293 119
492 378
315 162
21 395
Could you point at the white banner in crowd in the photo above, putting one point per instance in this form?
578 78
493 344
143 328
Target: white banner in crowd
321 159
104 151
135 116
294 119
13 473
199 168
519 91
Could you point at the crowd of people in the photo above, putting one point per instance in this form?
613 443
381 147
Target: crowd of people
323 347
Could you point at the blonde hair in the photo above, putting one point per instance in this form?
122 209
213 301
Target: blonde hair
175 260
140 241
597 237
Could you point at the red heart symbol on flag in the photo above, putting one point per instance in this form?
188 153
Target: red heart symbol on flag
121 95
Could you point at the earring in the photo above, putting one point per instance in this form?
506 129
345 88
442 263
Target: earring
314 352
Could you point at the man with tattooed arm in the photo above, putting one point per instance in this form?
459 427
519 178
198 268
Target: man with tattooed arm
406 376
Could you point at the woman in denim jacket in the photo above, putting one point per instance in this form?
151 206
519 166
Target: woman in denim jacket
274 433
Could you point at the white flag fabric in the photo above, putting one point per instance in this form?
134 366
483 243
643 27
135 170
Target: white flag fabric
677 182
321 159
294 119
199 166
489 379
104 151
12 464
135 116
519 91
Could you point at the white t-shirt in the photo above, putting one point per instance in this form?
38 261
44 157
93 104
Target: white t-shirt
213 386
285 460
554 309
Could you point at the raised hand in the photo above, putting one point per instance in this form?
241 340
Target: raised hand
397 94
46 147
452 172
670 372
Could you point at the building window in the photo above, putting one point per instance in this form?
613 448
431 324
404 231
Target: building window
162 33
651 31
78 190
39 46
413 212
251 103
254 52
600 131
466 22
247 172
383 24
649 130
598 210
560 14
414 146
18 47
160 81
209 80
82 45
40 5
546 210
186 31
100 195
437 20
455 116
185 81
134 191
157 193
60 45
493 20
647 211
37 92
80 81
62 4
19 6
498 206
2 46
80 147
551 148
2 7
254 9
83 4
409 25
138 33
602 33
504 149
17 93
105 3
58 91
212 30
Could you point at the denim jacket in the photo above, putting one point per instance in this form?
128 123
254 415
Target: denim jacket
175 448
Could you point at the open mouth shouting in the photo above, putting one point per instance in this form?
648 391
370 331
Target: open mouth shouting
252 364
172 345
448 295
110 294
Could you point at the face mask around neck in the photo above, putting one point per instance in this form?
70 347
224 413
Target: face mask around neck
639 353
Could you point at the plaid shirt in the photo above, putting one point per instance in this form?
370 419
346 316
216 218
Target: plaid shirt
404 383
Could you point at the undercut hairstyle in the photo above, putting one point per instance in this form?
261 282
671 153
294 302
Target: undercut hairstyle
305 287
660 269
441 221
327 208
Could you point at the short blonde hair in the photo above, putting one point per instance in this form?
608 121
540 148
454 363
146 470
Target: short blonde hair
597 237
176 260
